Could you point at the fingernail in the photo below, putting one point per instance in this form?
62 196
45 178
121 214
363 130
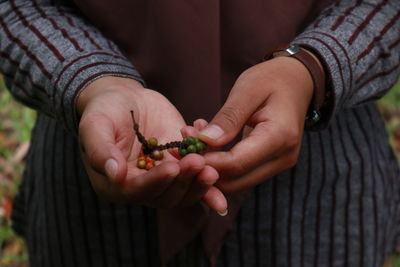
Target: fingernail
223 213
111 168
213 132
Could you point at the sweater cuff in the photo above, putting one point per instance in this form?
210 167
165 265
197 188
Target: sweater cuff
334 58
74 75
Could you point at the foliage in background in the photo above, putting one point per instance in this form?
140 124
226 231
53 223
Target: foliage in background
390 109
16 122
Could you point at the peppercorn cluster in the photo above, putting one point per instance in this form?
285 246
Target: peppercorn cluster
191 145
151 151
148 156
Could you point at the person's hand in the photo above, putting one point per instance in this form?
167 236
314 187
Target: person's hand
272 98
110 148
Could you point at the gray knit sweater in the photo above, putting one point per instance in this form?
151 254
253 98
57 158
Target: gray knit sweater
339 206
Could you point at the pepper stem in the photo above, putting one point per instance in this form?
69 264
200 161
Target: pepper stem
146 146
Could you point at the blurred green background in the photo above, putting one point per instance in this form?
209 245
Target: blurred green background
16 122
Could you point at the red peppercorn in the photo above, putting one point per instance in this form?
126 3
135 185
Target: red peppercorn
149 160
149 165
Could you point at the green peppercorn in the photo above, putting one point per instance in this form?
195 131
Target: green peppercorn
191 149
189 141
192 140
152 141
185 142
200 147
182 152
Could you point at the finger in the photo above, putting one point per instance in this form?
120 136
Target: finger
150 184
216 200
204 180
242 102
200 124
101 185
258 175
98 142
190 166
189 131
261 145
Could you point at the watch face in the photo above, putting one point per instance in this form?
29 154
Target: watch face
288 52
294 49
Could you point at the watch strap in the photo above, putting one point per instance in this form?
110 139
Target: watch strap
317 75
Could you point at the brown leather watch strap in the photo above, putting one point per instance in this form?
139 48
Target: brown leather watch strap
313 66
317 75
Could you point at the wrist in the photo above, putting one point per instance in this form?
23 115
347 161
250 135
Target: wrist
103 86
297 81
317 73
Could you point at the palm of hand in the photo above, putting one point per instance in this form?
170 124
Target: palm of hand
156 117
106 131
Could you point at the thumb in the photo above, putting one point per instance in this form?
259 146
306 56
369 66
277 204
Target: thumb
229 120
97 138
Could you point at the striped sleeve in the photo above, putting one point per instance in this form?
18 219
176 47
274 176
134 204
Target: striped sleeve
48 55
358 42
